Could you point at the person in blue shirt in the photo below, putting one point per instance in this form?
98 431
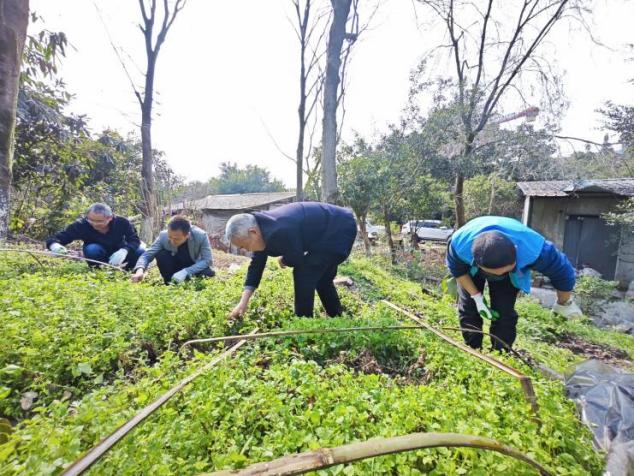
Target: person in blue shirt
502 252
313 238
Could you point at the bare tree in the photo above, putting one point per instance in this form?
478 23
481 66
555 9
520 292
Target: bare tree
493 48
311 21
336 36
14 19
310 29
153 43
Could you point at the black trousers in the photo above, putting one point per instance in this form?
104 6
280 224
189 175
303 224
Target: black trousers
317 275
503 296
168 264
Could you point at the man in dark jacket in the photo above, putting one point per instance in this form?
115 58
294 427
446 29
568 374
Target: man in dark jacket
312 238
107 238
502 252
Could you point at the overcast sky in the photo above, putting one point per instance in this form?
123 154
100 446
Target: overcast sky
228 72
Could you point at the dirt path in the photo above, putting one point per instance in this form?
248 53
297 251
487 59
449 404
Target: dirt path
602 352
224 260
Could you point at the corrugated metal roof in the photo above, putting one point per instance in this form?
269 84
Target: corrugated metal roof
563 188
236 201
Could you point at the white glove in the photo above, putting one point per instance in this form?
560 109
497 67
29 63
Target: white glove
118 257
180 276
58 249
483 309
569 309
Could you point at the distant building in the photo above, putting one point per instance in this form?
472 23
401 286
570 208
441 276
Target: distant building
568 213
213 211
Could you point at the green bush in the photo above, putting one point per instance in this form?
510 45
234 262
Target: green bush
590 291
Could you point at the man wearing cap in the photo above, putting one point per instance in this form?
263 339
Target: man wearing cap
313 238
502 252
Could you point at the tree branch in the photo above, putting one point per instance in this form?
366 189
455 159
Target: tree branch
587 141
543 32
123 65
476 84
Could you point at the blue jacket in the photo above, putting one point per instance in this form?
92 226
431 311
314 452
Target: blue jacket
302 233
533 252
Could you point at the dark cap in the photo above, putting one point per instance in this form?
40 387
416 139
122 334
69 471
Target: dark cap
493 250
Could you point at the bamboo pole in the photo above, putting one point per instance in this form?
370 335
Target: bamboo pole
55 255
335 330
96 452
494 337
525 381
325 457
295 332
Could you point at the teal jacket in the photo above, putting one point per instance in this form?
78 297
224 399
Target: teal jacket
528 244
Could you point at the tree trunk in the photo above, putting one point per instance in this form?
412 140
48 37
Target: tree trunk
341 9
147 182
458 200
301 110
14 19
492 196
148 210
364 233
390 241
459 184
302 129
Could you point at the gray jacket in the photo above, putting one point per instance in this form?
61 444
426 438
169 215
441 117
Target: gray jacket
199 250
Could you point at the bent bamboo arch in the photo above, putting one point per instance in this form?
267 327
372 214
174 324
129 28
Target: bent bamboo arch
325 457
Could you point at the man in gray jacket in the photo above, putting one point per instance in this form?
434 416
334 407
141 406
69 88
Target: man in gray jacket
181 251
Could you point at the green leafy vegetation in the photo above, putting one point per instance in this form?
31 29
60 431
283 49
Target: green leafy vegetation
491 195
89 333
590 291
70 331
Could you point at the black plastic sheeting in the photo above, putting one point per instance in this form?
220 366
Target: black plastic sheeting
605 396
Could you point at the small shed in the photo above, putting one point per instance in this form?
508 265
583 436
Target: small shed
569 213
213 211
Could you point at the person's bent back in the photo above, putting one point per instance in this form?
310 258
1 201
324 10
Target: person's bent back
313 238
501 252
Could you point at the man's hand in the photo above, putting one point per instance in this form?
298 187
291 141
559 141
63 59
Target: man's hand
117 258
567 309
280 261
483 309
138 276
180 276
239 310
58 249
243 305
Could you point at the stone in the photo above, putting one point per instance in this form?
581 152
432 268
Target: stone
589 272
26 402
629 294
343 281
546 297
619 314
